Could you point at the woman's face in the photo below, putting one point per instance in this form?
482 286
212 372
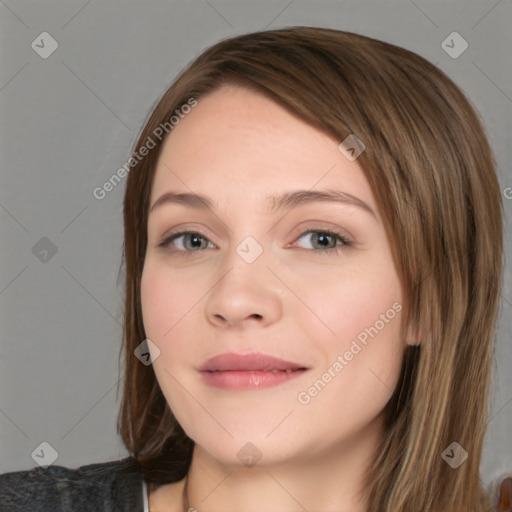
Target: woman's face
262 276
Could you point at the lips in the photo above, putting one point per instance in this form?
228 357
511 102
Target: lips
236 372
249 362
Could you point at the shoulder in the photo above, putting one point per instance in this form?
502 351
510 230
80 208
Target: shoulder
114 485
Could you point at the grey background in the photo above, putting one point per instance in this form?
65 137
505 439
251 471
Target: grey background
69 122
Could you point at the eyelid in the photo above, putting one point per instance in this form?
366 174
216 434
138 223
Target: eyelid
184 230
335 231
323 226
310 225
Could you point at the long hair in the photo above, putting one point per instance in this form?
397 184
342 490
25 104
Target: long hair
432 173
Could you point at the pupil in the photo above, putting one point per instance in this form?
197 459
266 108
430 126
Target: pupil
195 239
325 239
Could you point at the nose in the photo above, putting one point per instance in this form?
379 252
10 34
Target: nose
246 294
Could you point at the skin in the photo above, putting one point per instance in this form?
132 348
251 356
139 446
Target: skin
239 147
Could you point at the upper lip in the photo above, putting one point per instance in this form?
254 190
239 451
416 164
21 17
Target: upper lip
248 362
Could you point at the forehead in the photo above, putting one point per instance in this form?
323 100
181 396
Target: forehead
236 143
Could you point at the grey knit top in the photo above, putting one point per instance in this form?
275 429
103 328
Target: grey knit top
115 486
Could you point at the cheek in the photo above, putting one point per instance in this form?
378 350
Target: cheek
169 306
153 302
164 305
359 332
163 301
345 305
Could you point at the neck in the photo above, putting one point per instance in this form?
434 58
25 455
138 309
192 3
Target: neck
326 482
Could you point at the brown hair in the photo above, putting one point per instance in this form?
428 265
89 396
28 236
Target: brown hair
433 176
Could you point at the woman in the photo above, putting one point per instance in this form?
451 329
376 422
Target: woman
264 368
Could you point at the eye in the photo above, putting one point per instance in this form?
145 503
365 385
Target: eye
321 237
193 241
194 238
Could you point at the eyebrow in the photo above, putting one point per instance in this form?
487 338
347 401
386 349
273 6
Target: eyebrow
280 203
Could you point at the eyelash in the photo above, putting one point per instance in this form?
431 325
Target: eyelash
320 252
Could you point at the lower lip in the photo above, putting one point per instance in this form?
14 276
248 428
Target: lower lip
239 380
